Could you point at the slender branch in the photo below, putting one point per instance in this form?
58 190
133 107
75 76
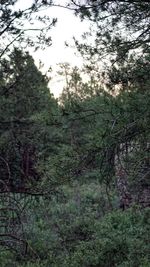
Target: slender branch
7 27
7 46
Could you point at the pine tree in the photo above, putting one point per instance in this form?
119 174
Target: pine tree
26 109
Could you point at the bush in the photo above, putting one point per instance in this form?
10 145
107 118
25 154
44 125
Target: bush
68 233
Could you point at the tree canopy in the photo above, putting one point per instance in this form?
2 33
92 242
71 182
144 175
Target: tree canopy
17 24
120 26
26 109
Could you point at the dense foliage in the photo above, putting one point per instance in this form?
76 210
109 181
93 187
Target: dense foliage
74 185
25 112
62 233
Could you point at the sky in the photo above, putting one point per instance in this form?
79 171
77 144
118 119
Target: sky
68 25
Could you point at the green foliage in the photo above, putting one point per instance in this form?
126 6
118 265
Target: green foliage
117 28
25 111
18 20
70 152
64 231
77 221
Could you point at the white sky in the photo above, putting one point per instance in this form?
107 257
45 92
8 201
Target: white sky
67 26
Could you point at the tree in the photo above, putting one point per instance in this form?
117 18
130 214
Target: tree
109 135
120 39
87 116
26 110
17 23
121 26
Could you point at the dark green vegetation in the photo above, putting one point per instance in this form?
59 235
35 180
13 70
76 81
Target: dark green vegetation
74 184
